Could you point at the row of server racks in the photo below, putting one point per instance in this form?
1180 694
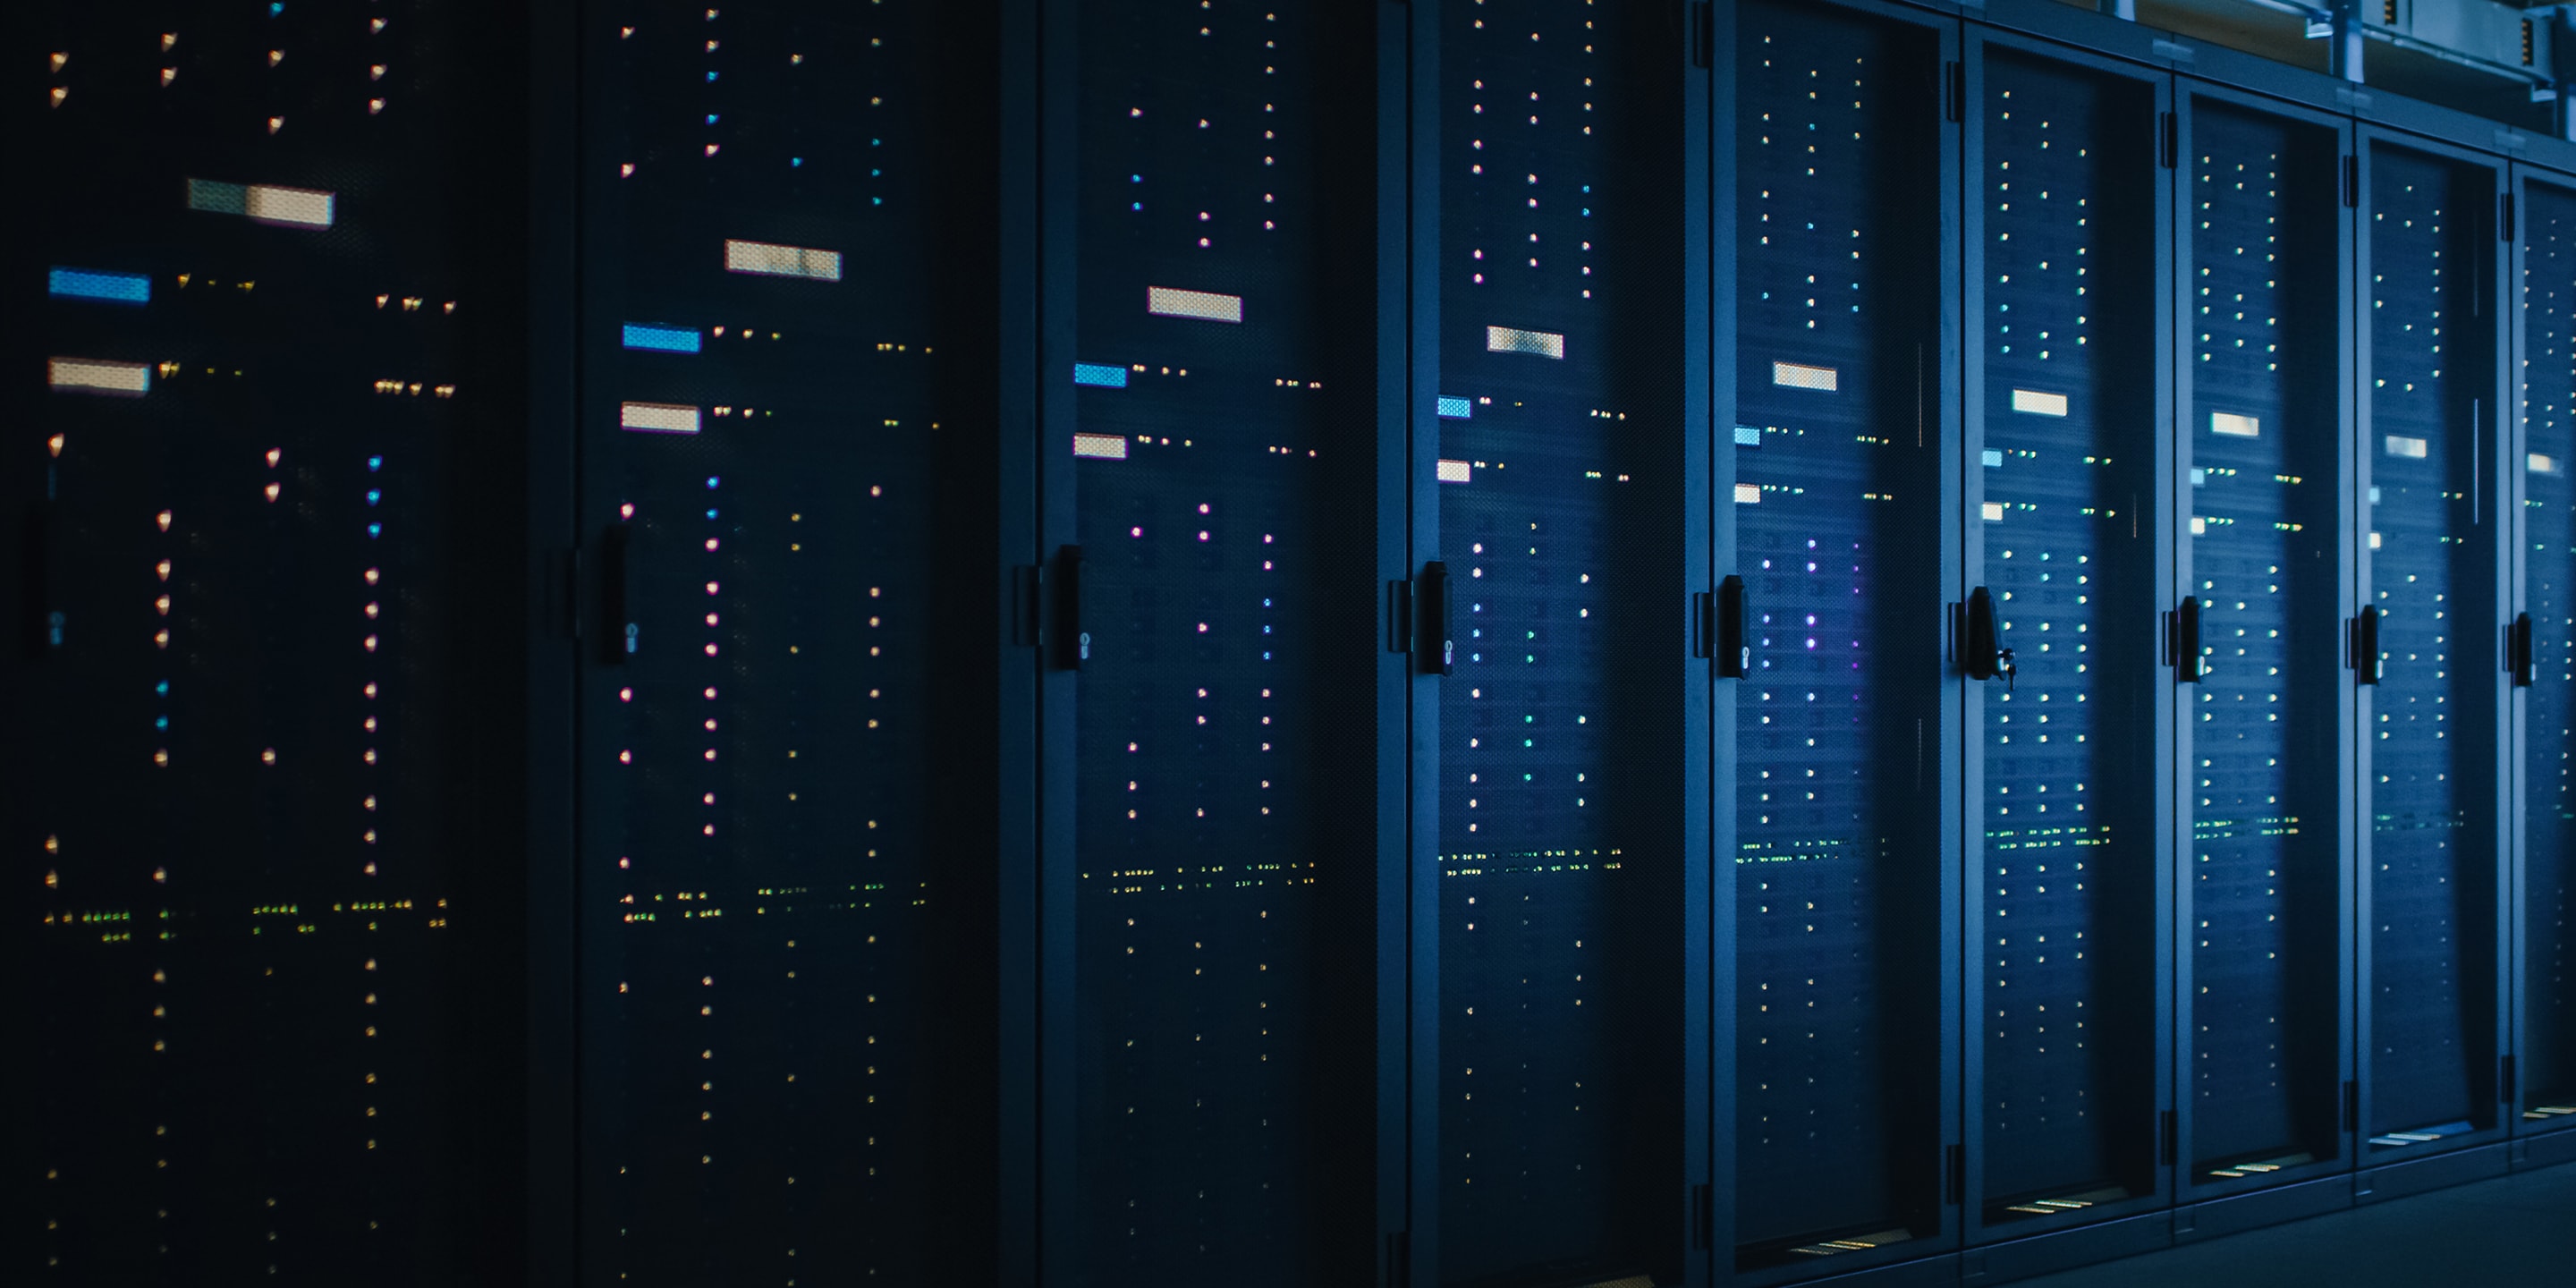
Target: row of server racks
757 642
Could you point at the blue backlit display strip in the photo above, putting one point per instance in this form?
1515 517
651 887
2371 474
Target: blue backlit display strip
2430 732
1099 375
668 339
2069 541
95 284
2549 705
2264 888
1836 513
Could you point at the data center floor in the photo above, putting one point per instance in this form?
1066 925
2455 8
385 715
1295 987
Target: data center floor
2516 1229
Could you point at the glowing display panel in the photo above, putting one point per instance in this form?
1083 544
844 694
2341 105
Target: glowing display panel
1559 951
2263 883
2431 730
763 881
2067 873
2549 595
1222 784
1838 729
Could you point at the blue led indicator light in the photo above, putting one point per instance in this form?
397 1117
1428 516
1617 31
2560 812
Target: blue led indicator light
793 162
712 480
374 496
375 463
92 284
711 514
163 688
1093 373
1456 408
667 339
375 530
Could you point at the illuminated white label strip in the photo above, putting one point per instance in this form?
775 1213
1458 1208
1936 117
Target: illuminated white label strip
1503 339
2039 404
2543 464
1172 302
782 261
1748 494
1793 375
95 375
658 418
2410 448
263 202
1456 472
1107 447
2235 426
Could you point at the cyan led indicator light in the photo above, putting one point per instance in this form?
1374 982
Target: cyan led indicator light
1099 374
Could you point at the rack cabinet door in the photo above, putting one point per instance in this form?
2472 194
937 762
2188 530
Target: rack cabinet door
2261 895
2433 770
1844 911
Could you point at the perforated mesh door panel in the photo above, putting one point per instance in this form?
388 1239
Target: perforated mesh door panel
2549 595
2070 531
2431 733
1838 727
1221 472
1559 950
261 809
761 865
2263 887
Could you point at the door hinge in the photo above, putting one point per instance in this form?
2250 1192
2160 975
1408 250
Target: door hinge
1399 617
2352 182
2168 138
1072 638
564 591
1703 1215
624 634
2352 1106
2504 1081
1955 1170
1954 92
44 613
1028 592
2504 216
2169 1133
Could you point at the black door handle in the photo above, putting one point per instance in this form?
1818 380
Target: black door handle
1981 645
2526 662
1733 651
1439 647
2366 665
2186 641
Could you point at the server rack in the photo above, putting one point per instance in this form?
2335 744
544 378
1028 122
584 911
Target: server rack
2263 276
1843 524
2426 467
1207 457
2537 650
785 927
262 745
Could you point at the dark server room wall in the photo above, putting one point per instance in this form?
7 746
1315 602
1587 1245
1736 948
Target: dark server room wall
1493 643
